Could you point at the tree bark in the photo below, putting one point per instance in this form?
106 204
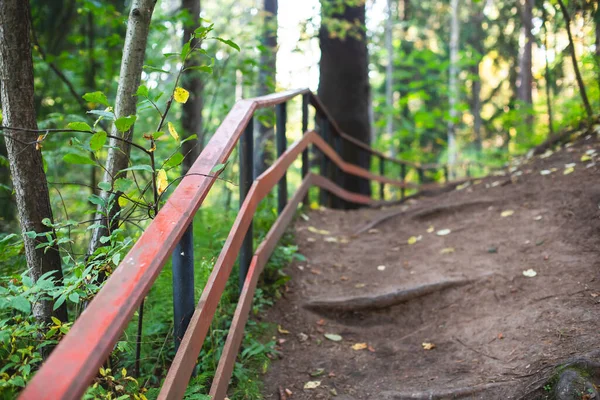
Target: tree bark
191 119
477 38
525 83
266 84
29 179
389 72
547 76
344 84
125 104
584 98
453 86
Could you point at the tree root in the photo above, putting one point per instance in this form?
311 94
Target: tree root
381 300
451 208
456 393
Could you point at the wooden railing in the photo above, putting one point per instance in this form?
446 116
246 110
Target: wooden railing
75 362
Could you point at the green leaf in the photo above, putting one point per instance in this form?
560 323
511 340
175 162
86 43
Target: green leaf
155 69
73 158
46 222
229 43
20 303
102 113
116 259
104 239
60 301
142 90
158 134
185 50
105 186
98 140
333 337
174 161
123 124
203 68
97 200
74 297
191 137
218 168
139 168
122 184
31 234
96 97
79 126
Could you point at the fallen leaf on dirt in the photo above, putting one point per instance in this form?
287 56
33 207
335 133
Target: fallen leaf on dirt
447 250
585 158
315 271
590 152
304 217
500 336
359 285
443 232
317 372
319 231
567 171
321 322
311 239
545 172
547 154
333 392
344 278
373 230
331 239
371 349
428 346
344 240
312 385
538 218
530 273
288 392
333 337
282 331
430 229
594 295
381 268
507 213
302 337
570 165
359 346
412 240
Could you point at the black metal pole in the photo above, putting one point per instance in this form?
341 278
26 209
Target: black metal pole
246 179
281 119
305 161
382 173
340 176
403 178
183 284
446 177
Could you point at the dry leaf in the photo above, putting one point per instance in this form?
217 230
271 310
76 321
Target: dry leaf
373 230
500 336
443 232
507 213
38 143
312 385
333 337
381 268
430 229
594 295
181 95
414 239
172 131
447 250
538 218
545 172
569 170
570 165
315 271
321 322
282 331
359 346
344 278
288 392
359 285
428 346
530 273
319 231
311 239
331 239
161 181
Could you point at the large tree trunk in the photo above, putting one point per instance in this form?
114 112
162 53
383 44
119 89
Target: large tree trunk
453 86
125 104
525 83
389 73
344 85
29 179
191 120
584 98
266 84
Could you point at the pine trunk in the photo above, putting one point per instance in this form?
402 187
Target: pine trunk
29 180
191 119
134 50
266 84
344 85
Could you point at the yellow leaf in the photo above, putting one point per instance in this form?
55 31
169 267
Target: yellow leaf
412 240
122 201
507 213
447 250
161 181
282 331
124 372
430 229
181 95
428 346
584 157
319 231
359 346
153 147
56 321
331 239
568 171
172 131
38 143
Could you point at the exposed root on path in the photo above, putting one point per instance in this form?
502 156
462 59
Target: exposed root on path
381 300
435 212
456 393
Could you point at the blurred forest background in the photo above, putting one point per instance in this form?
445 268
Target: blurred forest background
452 81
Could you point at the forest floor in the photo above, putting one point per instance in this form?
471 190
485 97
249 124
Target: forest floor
456 314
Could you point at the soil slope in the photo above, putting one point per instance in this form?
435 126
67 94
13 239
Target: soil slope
496 333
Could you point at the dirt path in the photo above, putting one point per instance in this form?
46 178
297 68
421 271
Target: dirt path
497 333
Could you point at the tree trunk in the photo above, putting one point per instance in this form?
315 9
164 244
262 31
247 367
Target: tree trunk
389 73
477 38
584 97
29 179
453 86
525 84
191 119
266 84
125 104
344 85
547 76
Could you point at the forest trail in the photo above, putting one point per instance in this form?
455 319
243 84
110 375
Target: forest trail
496 333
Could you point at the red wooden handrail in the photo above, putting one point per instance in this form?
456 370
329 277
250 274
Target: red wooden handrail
73 364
